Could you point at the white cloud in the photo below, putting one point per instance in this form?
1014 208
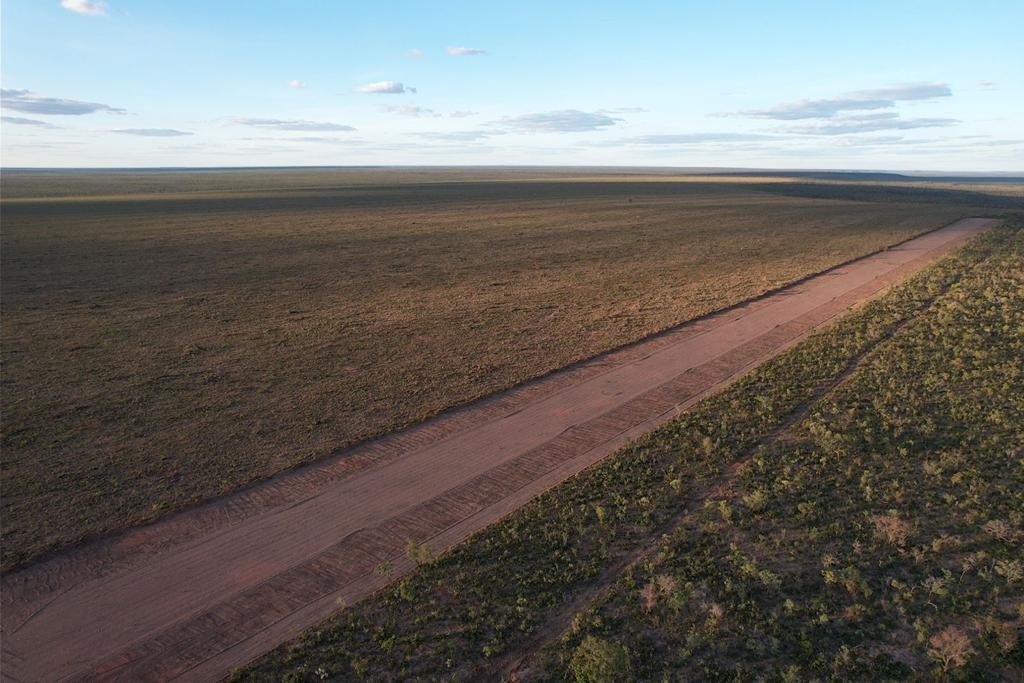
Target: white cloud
414 53
563 121
457 136
873 116
17 120
152 132
283 124
409 110
44 145
384 88
325 140
463 113
909 91
861 100
695 138
30 103
847 126
465 51
296 83
97 9
623 110
663 142
816 109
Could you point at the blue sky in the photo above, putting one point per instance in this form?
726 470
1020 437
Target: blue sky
870 85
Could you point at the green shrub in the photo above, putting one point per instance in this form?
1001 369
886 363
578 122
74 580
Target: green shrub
596 660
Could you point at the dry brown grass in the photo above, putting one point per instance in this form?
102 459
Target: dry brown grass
163 344
892 529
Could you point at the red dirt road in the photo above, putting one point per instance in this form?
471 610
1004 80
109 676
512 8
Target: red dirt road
209 589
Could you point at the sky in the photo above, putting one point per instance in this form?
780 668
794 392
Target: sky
882 85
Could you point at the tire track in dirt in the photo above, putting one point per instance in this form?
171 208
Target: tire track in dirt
209 589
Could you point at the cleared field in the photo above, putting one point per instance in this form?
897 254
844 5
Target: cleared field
850 510
172 337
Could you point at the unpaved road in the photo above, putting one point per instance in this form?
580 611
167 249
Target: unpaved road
209 589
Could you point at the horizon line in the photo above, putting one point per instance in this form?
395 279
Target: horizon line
701 170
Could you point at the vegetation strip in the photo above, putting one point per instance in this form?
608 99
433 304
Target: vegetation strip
456 616
510 666
879 538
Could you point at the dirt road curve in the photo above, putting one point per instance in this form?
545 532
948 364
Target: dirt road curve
207 590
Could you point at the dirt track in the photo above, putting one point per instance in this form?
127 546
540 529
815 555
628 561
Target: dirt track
209 589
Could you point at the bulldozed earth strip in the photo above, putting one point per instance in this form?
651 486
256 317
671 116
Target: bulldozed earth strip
204 591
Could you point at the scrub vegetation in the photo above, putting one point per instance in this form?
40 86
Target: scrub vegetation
851 509
170 337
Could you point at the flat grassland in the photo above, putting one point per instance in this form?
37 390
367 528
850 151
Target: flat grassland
853 509
169 337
